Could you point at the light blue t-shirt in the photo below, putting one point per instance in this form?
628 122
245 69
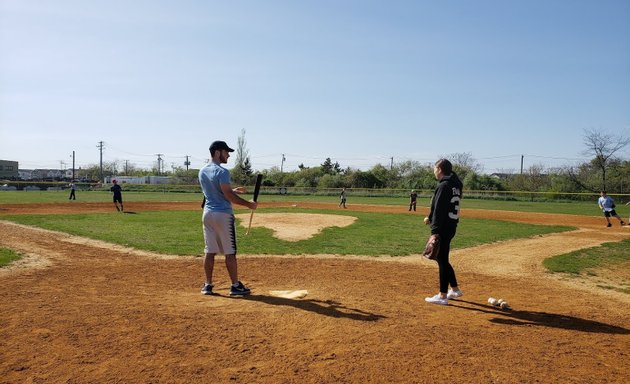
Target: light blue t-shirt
210 178
606 203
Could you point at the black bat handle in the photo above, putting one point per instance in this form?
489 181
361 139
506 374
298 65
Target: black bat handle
257 187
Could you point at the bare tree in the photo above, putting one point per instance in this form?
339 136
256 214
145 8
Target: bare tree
464 163
242 171
242 153
603 147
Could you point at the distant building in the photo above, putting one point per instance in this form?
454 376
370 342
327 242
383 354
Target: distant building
501 176
48 174
139 179
25 174
41 174
9 169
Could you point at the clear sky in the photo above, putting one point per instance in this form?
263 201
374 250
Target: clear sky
358 81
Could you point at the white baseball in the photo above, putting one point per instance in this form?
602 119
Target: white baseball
492 301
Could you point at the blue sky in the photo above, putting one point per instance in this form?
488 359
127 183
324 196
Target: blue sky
357 81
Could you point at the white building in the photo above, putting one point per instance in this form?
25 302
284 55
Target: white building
138 179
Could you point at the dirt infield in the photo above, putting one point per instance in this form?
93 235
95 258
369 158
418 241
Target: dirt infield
77 310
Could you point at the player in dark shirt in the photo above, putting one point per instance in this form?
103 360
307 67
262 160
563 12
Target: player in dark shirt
117 190
443 220
413 196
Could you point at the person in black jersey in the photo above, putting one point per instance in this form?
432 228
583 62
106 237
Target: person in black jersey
443 219
413 197
117 191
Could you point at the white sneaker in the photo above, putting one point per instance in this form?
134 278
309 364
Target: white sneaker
454 294
436 300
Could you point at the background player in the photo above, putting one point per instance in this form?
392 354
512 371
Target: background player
413 196
607 205
117 190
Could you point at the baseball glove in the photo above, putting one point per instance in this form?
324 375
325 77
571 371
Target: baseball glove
432 247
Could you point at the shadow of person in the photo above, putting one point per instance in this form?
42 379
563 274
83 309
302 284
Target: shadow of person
513 317
130 212
327 307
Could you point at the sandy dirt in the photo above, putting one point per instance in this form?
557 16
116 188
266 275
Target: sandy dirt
295 226
77 310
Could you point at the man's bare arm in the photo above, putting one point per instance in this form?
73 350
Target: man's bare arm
231 195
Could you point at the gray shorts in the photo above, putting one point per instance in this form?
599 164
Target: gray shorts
219 233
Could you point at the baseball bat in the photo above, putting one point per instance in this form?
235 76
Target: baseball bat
256 192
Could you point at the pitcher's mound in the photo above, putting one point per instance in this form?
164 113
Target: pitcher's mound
296 226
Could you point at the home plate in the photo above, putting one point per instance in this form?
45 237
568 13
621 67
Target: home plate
290 294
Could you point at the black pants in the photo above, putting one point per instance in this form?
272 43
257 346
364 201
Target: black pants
447 273
72 195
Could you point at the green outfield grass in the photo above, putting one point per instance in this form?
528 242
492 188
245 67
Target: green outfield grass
572 208
179 232
7 256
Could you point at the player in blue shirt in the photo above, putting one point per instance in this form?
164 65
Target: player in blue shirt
218 217
607 205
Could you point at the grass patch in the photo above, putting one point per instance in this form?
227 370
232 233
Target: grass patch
590 261
583 260
180 232
7 256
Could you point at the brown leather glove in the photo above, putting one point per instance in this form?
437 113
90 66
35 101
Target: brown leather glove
432 247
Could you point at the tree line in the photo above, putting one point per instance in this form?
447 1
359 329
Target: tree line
605 171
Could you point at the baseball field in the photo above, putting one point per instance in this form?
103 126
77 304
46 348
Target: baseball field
97 296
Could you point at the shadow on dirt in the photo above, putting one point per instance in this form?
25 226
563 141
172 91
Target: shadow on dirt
327 307
545 319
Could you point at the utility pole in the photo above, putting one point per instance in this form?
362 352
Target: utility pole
282 164
391 164
100 147
522 156
159 170
73 166
187 162
126 167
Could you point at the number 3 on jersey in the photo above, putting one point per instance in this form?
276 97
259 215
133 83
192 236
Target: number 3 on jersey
454 215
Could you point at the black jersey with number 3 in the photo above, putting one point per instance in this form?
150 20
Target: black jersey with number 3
444 214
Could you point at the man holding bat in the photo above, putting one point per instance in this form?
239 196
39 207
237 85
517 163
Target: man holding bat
218 217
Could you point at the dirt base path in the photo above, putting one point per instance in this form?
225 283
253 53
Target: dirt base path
78 310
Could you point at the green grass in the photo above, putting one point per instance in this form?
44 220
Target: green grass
8 256
585 262
572 208
581 261
180 232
